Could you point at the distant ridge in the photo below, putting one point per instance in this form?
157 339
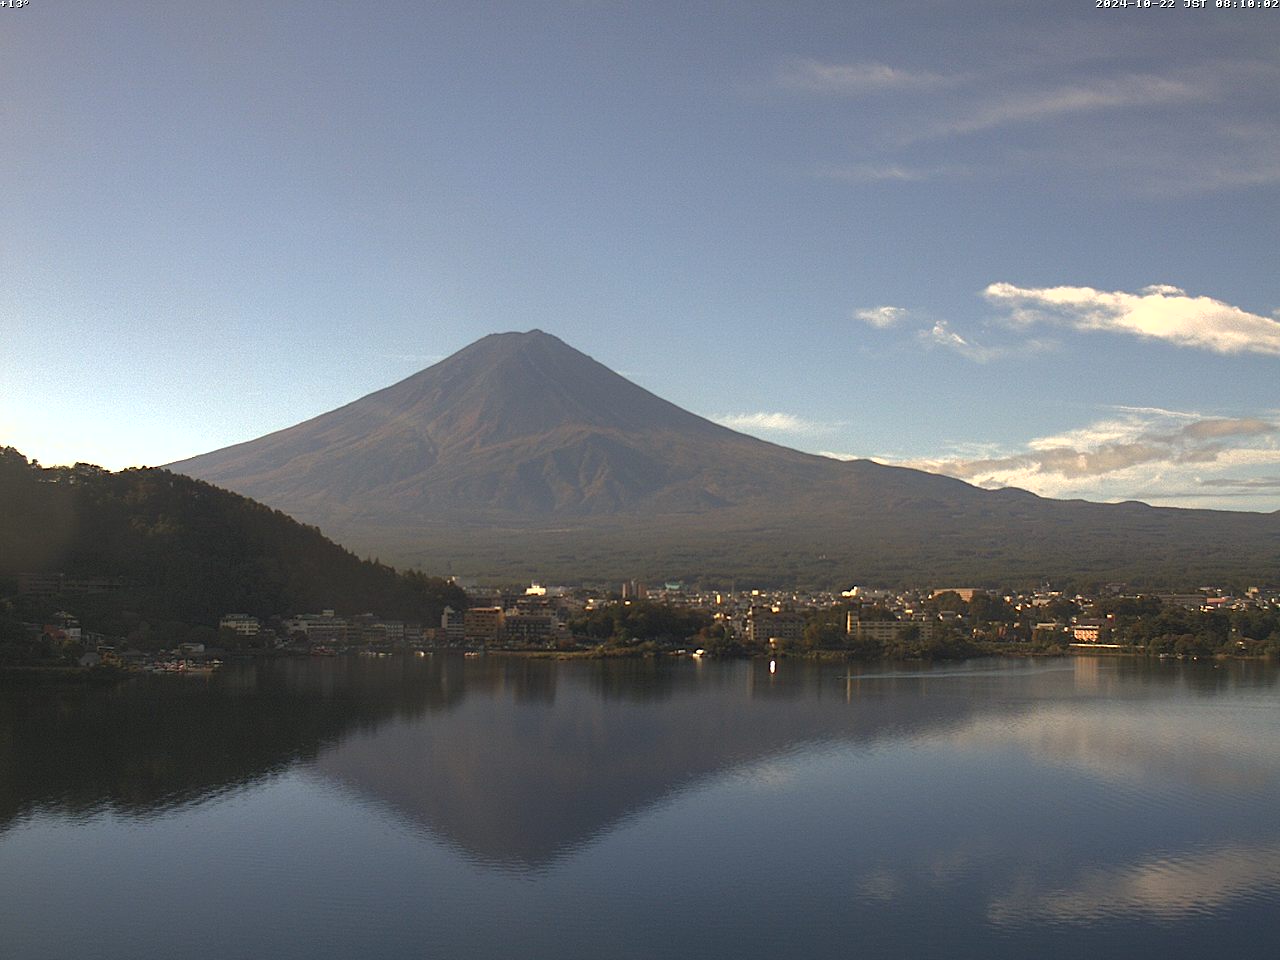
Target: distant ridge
521 456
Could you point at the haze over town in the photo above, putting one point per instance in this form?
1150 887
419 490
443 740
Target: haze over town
1018 245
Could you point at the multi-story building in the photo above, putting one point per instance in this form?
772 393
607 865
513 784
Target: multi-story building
322 628
243 624
453 625
886 631
483 624
1087 631
964 593
773 624
529 629
368 628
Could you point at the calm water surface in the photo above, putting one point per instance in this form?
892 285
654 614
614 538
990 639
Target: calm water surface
453 808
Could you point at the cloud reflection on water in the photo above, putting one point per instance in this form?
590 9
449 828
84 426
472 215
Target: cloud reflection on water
1162 888
1134 744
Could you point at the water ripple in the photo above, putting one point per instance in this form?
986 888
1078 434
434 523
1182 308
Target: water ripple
1163 888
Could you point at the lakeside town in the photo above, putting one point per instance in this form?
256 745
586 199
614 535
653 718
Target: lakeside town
673 618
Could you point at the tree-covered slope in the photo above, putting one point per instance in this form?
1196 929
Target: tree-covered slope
187 551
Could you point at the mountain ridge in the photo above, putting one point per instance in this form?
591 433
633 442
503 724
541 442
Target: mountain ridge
516 414
521 455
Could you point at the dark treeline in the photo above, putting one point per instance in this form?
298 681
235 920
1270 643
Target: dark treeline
641 621
185 552
988 622
1173 630
956 628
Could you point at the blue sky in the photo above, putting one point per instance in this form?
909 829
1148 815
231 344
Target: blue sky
1019 243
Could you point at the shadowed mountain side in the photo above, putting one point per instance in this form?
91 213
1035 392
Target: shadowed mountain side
572 751
1024 540
520 456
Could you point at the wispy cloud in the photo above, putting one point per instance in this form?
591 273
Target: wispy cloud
1159 312
772 422
1080 115
854 79
882 317
1112 93
1133 455
941 335
1243 483
935 333
875 172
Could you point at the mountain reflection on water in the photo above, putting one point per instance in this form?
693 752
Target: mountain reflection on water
519 762
478 808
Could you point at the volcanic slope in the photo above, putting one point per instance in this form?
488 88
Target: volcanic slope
520 456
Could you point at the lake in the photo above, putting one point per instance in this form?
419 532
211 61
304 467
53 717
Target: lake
453 808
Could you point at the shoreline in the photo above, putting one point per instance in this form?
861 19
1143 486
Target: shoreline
34 674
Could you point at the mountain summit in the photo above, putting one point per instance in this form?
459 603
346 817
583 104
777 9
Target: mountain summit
520 456
517 422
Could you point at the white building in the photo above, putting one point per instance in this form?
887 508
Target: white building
243 624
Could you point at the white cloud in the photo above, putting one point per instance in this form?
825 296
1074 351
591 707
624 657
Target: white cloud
1141 454
854 79
874 172
882 317
941 335
1158 312
1110 94
1154 411
771 422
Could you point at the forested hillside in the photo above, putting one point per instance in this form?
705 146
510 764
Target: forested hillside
186 551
